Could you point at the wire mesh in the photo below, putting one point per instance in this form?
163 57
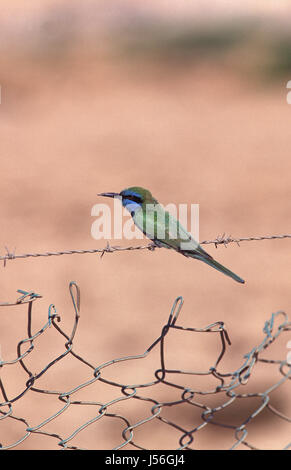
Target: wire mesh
227 388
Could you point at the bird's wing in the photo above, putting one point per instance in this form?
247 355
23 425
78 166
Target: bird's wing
160 226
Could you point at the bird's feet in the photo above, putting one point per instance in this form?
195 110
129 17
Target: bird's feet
152 246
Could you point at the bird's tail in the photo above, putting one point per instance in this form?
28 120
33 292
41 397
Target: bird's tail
211 261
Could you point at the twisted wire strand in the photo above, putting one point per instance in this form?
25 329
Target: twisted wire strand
219 240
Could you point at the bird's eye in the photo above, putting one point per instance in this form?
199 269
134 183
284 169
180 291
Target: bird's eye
133 198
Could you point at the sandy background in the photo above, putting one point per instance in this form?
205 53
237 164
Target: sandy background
80 116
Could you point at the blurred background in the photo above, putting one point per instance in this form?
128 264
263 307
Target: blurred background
189 101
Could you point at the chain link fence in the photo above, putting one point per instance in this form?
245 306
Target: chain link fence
227 389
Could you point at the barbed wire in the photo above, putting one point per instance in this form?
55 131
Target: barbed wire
219 240
228 388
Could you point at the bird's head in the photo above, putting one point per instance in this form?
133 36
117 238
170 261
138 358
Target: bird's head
133 198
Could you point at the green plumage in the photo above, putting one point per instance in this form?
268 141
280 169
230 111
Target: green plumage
165 231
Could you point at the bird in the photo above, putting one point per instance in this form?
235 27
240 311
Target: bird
162 228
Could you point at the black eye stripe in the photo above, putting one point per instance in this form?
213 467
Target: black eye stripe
134 198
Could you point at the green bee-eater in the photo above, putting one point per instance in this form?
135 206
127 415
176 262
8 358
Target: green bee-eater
161 227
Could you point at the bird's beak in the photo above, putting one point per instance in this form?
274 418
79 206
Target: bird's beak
109 194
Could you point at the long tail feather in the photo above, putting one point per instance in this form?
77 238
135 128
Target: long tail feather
211 262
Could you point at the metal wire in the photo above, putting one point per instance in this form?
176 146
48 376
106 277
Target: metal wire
228 385
219 240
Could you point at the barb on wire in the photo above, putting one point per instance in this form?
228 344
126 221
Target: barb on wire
219 240
227 389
